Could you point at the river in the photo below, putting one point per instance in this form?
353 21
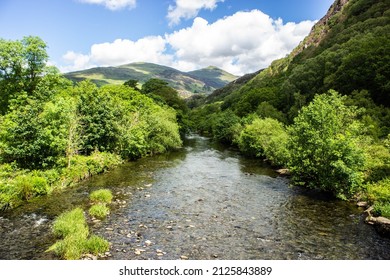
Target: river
202 202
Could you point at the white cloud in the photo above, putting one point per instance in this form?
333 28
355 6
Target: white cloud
189 9
242 43
148 49
113 4
76 61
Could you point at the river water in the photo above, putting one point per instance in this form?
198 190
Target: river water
202 202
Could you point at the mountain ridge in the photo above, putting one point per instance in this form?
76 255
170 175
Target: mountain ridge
347 50
201 81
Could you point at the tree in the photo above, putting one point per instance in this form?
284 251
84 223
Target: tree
265 138
98 116
35 57
22 64
132 84
163 94
226 127
324 145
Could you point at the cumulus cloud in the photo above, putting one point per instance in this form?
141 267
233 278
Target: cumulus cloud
113 4
188 9
148 49
242 43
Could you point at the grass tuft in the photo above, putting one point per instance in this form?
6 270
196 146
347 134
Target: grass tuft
99 211
101 196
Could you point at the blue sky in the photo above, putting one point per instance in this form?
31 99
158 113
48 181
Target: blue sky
239 36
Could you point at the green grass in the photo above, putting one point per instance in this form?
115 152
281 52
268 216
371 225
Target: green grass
101 196
99 211
72 228
379 191
71 223
97 245
382 209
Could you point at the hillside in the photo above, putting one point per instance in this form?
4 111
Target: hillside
348 50
186 83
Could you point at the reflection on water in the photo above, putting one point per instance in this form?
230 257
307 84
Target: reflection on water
202 202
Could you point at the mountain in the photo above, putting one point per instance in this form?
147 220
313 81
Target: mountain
348 50
186 83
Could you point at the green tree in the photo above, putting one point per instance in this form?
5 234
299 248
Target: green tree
324 145
226 127
131 83
98 116
22 64
265 138
163 94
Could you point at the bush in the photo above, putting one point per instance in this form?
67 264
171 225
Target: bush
265 138
382 209
99 211
324 145
226 127
101 196
29 186
379 191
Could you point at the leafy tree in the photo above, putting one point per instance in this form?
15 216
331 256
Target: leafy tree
22 64
324 145
265 138
162 93
98 117
131 83
226 127
266 110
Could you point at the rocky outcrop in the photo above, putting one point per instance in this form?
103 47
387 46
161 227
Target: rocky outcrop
321 28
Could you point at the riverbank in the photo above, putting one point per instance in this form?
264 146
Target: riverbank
18 186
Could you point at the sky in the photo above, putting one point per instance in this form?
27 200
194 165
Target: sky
239 36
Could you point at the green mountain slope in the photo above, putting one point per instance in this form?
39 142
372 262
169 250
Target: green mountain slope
199 81
348 50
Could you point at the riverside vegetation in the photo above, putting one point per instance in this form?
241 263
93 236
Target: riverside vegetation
54 134
322 112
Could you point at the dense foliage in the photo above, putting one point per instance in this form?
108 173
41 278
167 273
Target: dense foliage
265 138
323 111
54 133
325 141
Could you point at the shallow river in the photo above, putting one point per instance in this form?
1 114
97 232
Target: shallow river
202 202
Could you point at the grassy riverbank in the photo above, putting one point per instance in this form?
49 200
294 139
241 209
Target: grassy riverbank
18 186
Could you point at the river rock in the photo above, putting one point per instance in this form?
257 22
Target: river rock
362 204
283 172
184 257
381 224
148 242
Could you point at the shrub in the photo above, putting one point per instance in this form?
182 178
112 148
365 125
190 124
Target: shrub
265 138
29 186
382 209
226 127
379 191
101 196
99 211
324 141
